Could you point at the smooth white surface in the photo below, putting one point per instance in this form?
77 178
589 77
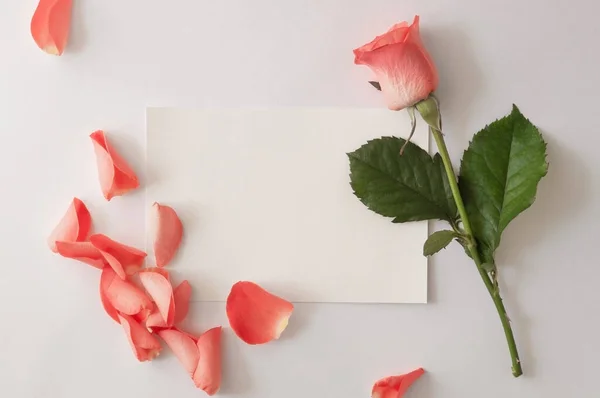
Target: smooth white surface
126 55
264 196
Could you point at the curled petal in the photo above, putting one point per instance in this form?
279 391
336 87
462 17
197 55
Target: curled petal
155 322
73 227
182 295
168 234
184 348
161 271
116 176
161 291
395 386
125 260
50 25
403 68
145 346
81 251
208 372
120 295
256 315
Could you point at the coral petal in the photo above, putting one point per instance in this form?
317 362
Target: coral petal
184 348
168 234
125 260
81 251
256 315
182 295
161 291
395 386
208 372
121 295
73 227
116 176
50 25
155 321
145 346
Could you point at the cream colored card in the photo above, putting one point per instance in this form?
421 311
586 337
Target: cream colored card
264 195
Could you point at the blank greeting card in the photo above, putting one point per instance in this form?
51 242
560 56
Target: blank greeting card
264 195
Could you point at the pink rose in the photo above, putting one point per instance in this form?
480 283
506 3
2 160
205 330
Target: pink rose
404 69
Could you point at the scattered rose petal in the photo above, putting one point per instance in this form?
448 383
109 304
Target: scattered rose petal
161 291
145 314
256 315
81 251
155 322
161 271
184 348
168 234
73 227
395 386
145 346
208 372
50 25
182 295
120 295
124 260
116 177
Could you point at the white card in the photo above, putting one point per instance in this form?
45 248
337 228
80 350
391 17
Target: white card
264 195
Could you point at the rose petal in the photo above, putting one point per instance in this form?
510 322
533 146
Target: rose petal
395 386
256 315
81 251
182 295
125 260
168 234
403 68
155 322
184 348
143 316
116 177
161 291
145 346
161 271
120 295
73 227
208 372
50 25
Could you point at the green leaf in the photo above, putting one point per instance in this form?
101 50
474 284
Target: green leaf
438 241
499 176
408 187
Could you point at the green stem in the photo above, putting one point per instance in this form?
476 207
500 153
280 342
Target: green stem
472 247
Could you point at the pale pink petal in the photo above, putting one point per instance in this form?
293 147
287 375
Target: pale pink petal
50 25
73 227
145 346
168 234
161 291
81 251
116 176
208 372
182 295
256 315
395 386
121 295
125 260
184 348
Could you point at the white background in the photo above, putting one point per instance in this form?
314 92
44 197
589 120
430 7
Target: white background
126 55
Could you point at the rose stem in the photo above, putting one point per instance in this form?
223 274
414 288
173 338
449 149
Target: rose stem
472 247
